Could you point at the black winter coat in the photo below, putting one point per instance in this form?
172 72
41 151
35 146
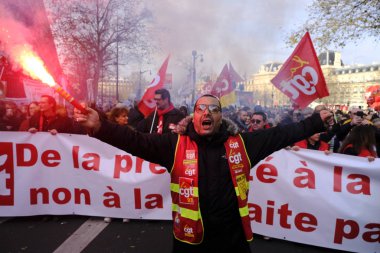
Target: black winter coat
60 123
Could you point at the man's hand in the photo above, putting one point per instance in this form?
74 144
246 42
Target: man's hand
32 130
295 148
53 131
370 158
90 120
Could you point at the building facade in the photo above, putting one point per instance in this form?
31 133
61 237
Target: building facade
109 89
346 84
264 92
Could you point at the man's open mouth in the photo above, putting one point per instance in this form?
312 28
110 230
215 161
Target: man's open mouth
206 123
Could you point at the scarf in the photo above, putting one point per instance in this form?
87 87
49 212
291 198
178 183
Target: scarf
161 114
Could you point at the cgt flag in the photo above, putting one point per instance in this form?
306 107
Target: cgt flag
207 87
147 103
372 95
223 88
301 77
234 76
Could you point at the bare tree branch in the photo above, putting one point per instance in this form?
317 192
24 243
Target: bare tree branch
336 22
88 33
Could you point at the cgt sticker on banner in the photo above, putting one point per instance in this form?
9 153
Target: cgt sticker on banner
6 174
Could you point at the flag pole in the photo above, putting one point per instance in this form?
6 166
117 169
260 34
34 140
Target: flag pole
154 117
1 73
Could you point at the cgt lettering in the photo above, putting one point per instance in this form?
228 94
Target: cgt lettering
234 144
190 172
187 192
188 231
236 159
305 83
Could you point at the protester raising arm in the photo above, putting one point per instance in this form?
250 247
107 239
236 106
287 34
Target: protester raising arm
260 144
202 160
152 147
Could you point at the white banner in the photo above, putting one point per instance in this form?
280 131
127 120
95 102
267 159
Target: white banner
329 201
326 200
75 174
35 89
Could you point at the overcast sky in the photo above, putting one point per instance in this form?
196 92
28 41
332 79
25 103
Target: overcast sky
246 32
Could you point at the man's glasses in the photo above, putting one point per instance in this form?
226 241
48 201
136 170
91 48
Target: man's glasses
257 121
201 108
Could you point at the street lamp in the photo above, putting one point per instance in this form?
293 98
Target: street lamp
117 59
117 70
138 95
195 57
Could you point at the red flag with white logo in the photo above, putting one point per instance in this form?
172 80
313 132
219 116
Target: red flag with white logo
301 77
147 103
223 88
372 95
207 87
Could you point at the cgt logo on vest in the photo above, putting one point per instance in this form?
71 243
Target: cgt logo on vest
189 232
190 154
235 158
234 144
6 174
186 190
190 171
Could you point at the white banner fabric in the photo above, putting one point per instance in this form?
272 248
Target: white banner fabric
303 196
309 197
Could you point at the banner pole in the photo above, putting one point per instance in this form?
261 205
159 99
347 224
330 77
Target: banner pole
154 117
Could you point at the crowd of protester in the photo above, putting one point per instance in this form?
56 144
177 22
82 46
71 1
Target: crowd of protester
355 132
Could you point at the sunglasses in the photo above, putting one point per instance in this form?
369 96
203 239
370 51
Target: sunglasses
257 121
201 108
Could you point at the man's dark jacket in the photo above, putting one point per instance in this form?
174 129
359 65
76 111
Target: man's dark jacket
223 230
171 117
61 123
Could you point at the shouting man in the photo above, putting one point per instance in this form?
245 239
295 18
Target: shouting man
209 163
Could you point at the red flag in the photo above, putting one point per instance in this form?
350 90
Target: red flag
26 22
29 17
207 87
301 77
223 88
371 94
147 103
234 76
219 86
